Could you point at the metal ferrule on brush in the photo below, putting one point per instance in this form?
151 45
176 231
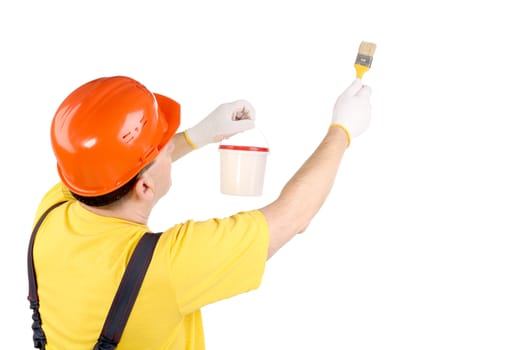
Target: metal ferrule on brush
364 60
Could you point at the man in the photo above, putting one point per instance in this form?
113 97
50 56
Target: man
114 142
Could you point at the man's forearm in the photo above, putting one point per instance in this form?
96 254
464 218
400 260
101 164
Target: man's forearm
181 147
306 191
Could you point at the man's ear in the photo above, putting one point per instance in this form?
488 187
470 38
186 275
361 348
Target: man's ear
144 188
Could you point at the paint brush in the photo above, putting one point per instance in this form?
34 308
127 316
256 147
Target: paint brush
363 62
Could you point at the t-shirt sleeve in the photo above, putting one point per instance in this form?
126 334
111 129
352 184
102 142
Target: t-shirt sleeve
217 259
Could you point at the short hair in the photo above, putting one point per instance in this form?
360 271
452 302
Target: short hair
111 197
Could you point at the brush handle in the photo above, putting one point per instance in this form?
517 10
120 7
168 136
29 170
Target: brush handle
361 70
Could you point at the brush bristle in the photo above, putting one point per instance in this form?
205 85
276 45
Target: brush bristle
367 48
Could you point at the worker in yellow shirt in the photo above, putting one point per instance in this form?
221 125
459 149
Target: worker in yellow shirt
114 142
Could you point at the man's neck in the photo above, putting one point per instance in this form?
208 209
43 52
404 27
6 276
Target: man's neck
124 211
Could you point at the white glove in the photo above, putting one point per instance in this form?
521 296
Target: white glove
352 110
226 120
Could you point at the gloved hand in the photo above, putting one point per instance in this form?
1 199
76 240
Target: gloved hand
226 120
352 110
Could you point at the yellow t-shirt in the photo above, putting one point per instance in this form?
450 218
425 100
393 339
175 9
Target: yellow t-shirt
80 258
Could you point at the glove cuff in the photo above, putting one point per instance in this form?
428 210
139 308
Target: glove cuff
345 130
189 141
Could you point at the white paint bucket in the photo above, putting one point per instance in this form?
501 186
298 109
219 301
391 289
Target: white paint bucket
243 165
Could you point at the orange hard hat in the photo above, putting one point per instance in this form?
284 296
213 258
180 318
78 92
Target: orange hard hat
107 130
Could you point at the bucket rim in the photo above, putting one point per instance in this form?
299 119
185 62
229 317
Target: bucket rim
245 148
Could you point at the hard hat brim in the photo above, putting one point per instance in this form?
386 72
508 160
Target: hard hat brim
169 111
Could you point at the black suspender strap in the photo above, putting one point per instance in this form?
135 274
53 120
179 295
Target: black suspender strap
122 302
39 338
127 293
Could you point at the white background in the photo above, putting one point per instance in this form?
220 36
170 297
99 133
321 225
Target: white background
421 242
